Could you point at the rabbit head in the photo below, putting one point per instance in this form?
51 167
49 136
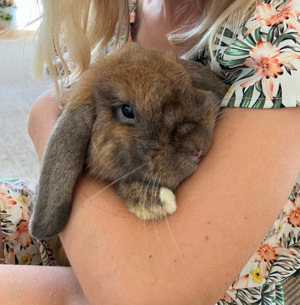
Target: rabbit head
149 118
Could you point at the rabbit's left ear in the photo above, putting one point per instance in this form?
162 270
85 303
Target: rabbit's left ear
62 163
204 78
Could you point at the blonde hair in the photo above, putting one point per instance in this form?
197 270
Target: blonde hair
85 28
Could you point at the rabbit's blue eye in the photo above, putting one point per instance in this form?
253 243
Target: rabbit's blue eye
127 112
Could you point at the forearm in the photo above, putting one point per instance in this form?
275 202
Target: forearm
224 211
35 285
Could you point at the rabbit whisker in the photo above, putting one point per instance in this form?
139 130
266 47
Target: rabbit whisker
153 187
156 187
218 115
173 238
158 182
145 194
117 181
222 115
144 223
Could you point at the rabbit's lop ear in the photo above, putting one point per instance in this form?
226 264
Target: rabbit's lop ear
204 78
62 163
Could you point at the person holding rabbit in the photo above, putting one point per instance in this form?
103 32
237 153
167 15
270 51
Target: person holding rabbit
235 235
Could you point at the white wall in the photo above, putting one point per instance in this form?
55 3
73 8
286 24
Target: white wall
26 12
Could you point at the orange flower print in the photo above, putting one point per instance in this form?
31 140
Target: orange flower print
6 201
10 257
267 14
267 61
22 233
242 282
268 252
226 298
292 212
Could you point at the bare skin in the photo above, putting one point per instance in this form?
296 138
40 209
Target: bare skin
36 285
224 210
156 18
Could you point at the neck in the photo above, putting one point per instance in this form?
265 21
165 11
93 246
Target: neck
157 18
175 8
173 12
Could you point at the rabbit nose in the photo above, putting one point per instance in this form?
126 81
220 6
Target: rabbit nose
190 151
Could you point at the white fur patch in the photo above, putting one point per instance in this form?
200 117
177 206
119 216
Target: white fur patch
141 212
156 211
167 197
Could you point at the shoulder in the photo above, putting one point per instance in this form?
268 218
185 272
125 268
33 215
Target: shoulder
42 118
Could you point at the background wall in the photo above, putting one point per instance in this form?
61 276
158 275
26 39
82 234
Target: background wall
18 91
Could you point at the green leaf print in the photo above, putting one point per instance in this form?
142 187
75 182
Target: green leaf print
257 34
268 295
226 33
243 302
258 86
222 44
265 288
249 37
241 44
256 303
247 97
236 52
283 38
277 103
232 100
260 103
279 295
251 73
270 36
233 62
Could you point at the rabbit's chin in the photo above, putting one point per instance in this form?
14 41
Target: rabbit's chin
178 171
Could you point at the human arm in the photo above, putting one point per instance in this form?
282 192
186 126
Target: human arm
211 232
35 285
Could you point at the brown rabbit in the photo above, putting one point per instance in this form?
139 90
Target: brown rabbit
140 119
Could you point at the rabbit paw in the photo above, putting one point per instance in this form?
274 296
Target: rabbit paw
155 210
145 201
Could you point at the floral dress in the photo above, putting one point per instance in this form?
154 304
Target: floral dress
16 198
261 60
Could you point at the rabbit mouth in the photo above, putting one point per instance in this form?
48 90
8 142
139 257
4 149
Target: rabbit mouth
195 157
190 152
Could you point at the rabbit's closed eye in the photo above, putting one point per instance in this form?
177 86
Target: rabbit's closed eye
141 119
